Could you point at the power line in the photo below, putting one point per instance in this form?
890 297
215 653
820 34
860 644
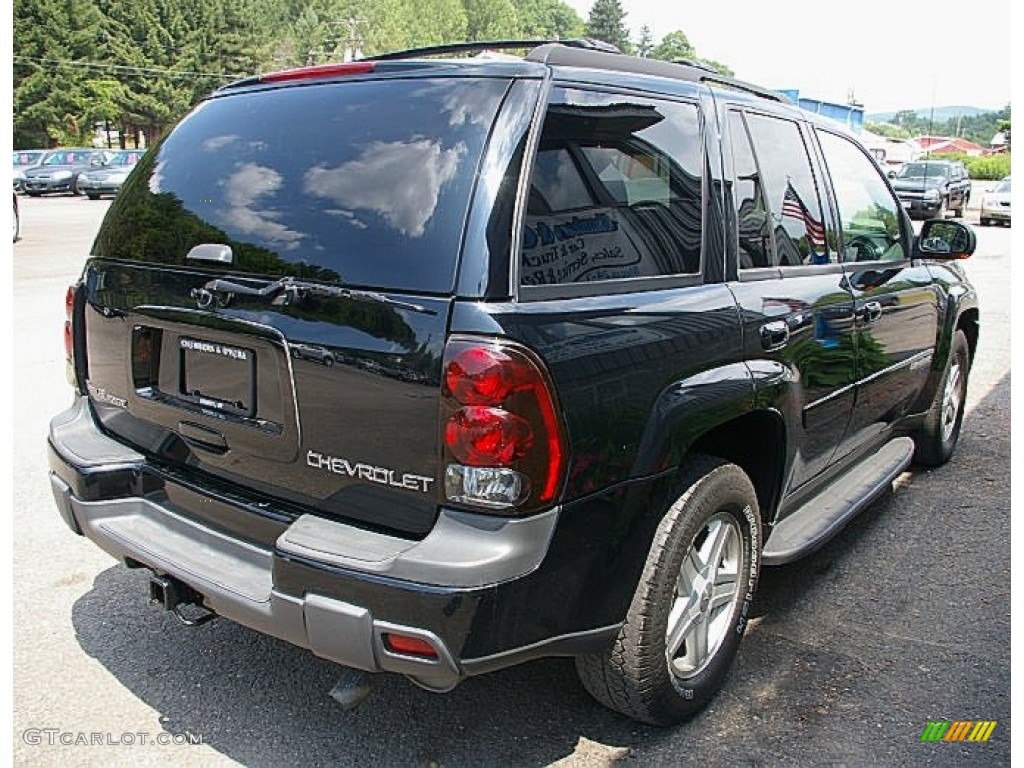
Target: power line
122 67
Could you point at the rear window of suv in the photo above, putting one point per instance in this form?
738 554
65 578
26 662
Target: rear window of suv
365 183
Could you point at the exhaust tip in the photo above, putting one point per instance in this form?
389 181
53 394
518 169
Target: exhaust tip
353 688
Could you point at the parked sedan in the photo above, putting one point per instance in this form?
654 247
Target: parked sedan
59 172
995 205
23 160
107 180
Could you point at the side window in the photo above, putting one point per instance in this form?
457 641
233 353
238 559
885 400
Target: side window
615 191
752 216
788 184
868 214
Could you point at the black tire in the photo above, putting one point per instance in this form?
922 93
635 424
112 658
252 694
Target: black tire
715 507
986 222
34 194
92 195
936 438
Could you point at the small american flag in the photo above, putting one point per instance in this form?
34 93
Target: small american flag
794 207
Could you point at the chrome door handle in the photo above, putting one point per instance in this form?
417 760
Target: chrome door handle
774 335
869 312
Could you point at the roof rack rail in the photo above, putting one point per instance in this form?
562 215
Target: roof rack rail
558 54
491 45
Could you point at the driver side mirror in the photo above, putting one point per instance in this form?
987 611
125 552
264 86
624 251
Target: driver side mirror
941 239
891 174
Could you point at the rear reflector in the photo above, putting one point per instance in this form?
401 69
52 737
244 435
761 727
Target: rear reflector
410 646
323 70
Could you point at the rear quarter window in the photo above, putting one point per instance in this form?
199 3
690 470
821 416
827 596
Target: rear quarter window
615 191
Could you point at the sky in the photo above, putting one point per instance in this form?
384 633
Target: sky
893 54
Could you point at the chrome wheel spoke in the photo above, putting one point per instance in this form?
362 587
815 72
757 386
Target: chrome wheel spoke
951 399
697 645
681 621
718 537
724 590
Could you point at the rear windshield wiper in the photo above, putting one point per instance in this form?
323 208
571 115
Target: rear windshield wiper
288 290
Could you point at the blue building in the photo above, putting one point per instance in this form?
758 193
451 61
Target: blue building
851 115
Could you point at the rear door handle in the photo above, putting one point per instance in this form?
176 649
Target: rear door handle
869 312
774 335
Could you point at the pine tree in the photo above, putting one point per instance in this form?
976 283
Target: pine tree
606 22
646 43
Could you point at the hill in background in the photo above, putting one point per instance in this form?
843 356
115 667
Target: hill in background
940 115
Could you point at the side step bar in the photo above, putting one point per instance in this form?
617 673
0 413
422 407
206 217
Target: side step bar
823 516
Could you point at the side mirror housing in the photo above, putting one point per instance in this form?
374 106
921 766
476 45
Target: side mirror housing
942 239
891 174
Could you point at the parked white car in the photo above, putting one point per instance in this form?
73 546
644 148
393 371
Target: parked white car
995 205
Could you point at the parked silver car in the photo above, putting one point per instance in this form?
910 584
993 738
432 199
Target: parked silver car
107 179
995 205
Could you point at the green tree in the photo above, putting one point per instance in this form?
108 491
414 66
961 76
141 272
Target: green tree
645 44
888 130
490 20
722 69
52 39
607 22
548 20
674 46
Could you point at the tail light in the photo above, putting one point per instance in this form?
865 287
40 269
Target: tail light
69 337
504 443
69 313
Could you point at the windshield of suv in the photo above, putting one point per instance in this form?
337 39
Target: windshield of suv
364 182
923 170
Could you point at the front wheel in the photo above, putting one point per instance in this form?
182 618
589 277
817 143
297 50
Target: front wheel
689 611
936 438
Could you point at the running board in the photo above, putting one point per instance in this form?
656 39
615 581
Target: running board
824 515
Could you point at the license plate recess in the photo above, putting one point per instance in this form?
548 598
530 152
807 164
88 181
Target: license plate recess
218 376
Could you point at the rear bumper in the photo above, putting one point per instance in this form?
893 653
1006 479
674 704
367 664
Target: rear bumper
471 588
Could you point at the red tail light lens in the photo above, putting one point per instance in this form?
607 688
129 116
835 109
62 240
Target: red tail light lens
69 313
487 437
501 424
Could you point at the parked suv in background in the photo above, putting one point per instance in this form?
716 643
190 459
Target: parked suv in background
929 188
608 335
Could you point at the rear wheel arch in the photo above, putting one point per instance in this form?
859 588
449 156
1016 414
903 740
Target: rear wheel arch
968 323
756 443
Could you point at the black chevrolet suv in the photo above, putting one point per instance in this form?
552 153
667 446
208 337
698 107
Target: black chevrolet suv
608 334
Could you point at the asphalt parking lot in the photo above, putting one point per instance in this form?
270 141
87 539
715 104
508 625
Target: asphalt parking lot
903 619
